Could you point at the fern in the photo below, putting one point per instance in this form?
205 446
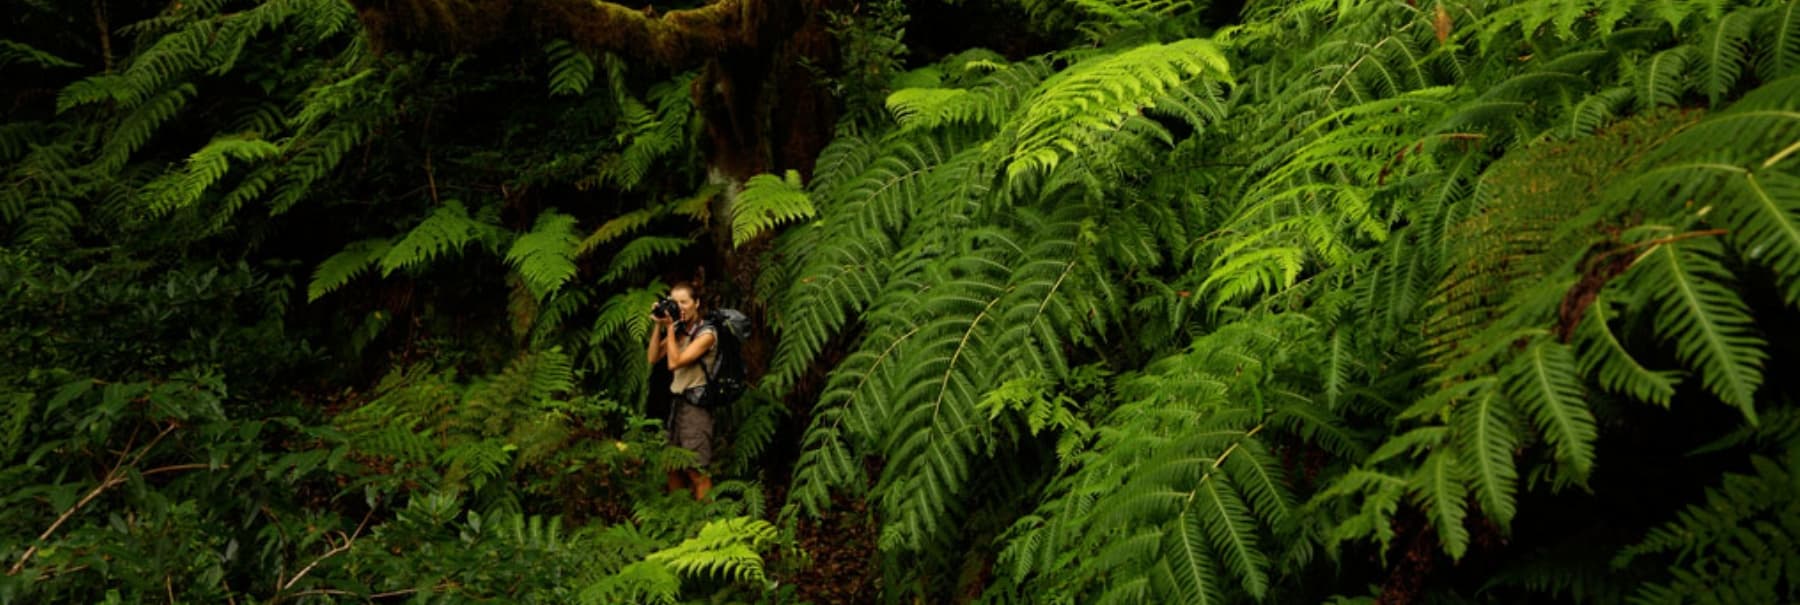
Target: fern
1604 357
640 251
545 257
768 201
571 70
1485 438
18 52
1708 324
205 168
345 266
1735 547
1099 94
447 230
1543 380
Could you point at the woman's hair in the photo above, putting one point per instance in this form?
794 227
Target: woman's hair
693 291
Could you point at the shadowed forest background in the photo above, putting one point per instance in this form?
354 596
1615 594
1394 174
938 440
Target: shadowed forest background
1055 301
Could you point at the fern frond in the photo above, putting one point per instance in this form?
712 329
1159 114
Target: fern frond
571 69
1736 546
18 52
447 230
1486 439
1706 322
139 123
204 168
545 257
1442 490
725 549
1726 53
1661 79
1783 33
1602 355
641 250
1099 94
1542 380
344 266
767 201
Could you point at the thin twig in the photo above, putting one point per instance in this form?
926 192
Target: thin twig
349 541
113 478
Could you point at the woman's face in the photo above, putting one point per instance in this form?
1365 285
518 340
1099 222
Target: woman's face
690 308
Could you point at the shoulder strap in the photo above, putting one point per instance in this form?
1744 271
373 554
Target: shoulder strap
713 350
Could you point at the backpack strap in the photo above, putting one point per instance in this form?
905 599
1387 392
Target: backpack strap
707 368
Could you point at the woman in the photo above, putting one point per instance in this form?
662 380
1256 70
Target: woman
686 344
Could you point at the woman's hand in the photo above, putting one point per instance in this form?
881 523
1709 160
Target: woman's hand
659 319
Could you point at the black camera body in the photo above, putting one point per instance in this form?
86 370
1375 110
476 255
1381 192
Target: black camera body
667 308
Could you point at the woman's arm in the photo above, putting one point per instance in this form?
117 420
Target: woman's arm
655 353
696 348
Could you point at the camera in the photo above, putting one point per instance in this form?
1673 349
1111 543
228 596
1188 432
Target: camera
666 307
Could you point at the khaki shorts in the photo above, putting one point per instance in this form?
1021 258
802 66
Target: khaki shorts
691 428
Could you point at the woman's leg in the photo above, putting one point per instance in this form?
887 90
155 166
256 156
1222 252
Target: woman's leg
701 483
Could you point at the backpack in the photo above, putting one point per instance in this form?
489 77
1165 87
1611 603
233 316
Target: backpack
726 379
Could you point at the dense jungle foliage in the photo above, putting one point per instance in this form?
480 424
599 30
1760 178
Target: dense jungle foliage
1056 301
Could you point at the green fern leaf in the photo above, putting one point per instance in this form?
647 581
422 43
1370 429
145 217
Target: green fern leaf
1486 439
1783 57
545 257
1099 94
768 201
1764 218
1726 54
18 52
1708 324
1195 577
205 168
1442 488
1662 78
641 250
1603 355
571 69
447 231
344 266
1543 381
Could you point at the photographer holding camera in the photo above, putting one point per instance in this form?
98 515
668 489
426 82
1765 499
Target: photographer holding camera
686 342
